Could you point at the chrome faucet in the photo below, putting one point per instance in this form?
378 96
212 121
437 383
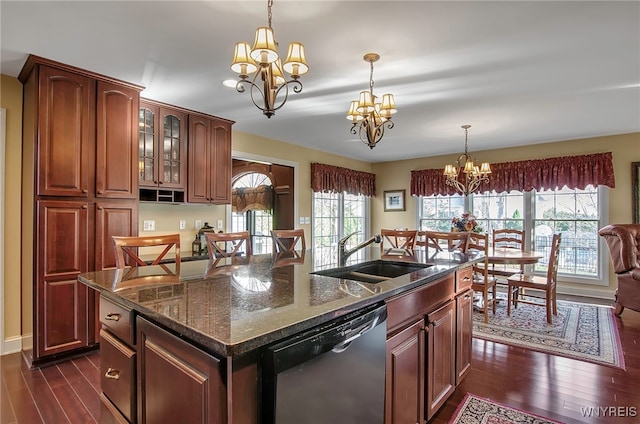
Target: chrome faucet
343 253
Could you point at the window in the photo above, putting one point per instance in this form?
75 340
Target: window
258 222
334 217
576 214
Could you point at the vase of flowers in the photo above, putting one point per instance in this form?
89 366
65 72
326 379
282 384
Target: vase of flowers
466 222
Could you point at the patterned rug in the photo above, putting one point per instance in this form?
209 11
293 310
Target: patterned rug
579 331
474 410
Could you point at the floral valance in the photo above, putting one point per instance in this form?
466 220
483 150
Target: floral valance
335 179
575 172
252 198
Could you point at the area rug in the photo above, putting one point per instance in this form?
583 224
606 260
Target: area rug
580 331
474 410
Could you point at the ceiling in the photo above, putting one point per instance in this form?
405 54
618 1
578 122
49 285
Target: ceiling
519 72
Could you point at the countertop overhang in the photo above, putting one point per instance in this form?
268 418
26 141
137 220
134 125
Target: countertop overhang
232 306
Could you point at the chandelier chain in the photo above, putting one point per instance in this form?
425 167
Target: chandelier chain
269 16
371 79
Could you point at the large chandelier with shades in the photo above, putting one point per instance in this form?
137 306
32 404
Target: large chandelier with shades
368 116
466 176
261 69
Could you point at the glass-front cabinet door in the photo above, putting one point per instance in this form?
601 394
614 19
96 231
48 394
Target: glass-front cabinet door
162 146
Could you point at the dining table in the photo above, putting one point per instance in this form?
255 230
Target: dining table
512 256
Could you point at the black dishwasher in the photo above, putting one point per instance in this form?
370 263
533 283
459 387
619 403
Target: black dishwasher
334 373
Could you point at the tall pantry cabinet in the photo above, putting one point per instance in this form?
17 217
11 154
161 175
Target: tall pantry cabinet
79 188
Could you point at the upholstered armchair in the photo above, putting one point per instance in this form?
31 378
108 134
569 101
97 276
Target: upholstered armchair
624 246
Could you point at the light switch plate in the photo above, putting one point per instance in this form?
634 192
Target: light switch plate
301 220
183 224
148 225
306 220
220 224
197 224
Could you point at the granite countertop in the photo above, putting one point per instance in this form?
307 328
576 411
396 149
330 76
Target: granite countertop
234 305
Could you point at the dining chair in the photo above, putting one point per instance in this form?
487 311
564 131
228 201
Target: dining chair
482 281
217 244
127 246
546 284
507 238
440 241
287 240
398 242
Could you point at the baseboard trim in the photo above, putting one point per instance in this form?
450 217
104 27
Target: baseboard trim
585 292
11 345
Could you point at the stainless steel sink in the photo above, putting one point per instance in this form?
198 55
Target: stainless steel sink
373 271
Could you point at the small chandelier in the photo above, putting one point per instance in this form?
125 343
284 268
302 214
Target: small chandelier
473 175
369 118
264 61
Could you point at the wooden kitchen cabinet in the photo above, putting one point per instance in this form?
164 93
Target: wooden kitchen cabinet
177 382
464 324
441 357
78 155
59 299
405 374
162 151
209 148
428 347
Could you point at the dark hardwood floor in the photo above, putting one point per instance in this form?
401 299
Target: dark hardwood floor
547 385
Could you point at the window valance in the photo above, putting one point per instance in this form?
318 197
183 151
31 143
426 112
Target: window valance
335 179
575 172
252 198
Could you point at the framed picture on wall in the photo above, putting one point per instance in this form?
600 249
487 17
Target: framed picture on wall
635 187
394 200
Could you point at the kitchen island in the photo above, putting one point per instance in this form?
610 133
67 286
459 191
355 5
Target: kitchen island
201 330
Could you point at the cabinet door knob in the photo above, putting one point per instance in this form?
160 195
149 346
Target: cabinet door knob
466 278
112 374
100 191
85 191
112 317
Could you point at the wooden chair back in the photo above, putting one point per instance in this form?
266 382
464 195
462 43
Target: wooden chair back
235 240
398 242
287 240
439 241
513 239
507 237
127 246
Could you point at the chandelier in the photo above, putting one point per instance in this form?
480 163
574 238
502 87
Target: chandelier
268 81
472 176
370 118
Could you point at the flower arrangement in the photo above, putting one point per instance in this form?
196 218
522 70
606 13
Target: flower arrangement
466 222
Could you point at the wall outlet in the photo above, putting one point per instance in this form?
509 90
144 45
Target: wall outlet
197 224
148 225
220 224
183 224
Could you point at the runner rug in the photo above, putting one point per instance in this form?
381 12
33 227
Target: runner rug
580 331
474 410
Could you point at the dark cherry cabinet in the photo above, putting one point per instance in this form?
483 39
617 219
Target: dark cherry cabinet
116 131
209 178
441 357
61 109
428 347
176 381
464 323
79 188
405 375
162 146
61 315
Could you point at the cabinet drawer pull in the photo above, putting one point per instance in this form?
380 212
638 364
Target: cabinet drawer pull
466 278
112 374
85 191
112 317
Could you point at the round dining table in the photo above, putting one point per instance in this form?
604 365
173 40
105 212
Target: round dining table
507 255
